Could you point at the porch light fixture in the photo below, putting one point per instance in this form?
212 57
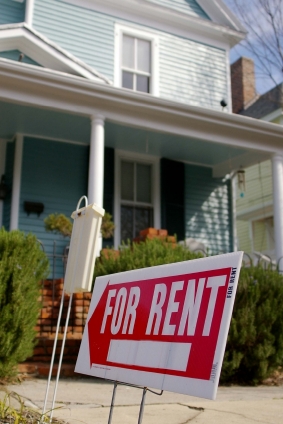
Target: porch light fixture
33 207
241 180
3 188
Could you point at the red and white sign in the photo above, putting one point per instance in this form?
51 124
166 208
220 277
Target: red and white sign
163 327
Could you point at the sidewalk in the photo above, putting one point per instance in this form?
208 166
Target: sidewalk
88 401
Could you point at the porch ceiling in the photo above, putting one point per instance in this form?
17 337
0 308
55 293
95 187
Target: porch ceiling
74 128
43 102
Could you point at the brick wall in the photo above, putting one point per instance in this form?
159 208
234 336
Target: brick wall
242 83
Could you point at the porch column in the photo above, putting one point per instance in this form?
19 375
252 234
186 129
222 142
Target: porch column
2 172
16 188
96 161
96 165
277 175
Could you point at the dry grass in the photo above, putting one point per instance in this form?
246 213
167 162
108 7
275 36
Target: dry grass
13 411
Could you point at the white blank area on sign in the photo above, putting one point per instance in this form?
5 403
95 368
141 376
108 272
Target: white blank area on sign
164 355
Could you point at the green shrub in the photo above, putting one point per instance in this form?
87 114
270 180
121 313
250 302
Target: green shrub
141 255
255 342
22 265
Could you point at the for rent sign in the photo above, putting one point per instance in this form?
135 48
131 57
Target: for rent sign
164 327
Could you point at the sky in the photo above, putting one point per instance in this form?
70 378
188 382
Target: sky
263 82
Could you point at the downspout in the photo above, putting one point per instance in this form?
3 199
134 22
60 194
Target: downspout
29 12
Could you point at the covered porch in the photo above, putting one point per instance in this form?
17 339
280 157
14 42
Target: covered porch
146 160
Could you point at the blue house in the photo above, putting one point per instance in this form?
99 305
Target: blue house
129 102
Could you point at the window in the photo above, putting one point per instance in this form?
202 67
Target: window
136 60
136 64
137 194
136 198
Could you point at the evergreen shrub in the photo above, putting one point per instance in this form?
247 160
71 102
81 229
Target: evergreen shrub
255 342
23 265
141 255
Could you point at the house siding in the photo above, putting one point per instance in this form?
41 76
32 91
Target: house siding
11 12
54 174
190 7
208 217
189 72
78 30
14 55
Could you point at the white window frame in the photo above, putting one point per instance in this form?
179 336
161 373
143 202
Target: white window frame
154 161
121 30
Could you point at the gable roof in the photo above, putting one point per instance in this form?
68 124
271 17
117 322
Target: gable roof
39 48
266 103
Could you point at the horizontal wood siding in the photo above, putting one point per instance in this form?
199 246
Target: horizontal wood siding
190 7
243 236
208 209
87 34
14 55
11 12
191 72
55 174
258 190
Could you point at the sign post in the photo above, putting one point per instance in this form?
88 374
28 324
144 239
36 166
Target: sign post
163 327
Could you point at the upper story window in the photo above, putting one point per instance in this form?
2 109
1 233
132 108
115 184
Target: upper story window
136 64
136 60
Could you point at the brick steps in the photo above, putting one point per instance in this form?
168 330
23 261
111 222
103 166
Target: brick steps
41 369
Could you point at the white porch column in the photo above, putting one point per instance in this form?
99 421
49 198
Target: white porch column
96 161
16 189
277 174
2 172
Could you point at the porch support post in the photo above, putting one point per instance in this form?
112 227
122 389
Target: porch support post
96 161
2 172
16 188
277 174
96 165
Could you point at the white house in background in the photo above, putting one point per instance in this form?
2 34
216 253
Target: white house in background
255 205
123 100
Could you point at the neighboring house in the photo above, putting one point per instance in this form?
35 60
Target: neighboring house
255 220
121 100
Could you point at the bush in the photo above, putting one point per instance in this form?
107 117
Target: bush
141 255
22 265
255 342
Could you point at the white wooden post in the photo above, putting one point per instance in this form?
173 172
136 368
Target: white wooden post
96 165
16 189
277 174
2 172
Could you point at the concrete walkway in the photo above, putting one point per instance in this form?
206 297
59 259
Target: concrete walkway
88 400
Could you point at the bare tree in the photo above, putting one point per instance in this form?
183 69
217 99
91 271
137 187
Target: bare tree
263 20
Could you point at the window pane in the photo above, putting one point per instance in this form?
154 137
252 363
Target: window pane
128 52
128 80
144 53
143 219
127 223
143 83
127 181
143 183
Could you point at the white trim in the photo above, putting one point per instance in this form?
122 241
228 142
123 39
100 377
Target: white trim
169 20
3 144
45 52
229 86
155 162
40 87
131 30
29 12
273 115
16 189
259 211
277 178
